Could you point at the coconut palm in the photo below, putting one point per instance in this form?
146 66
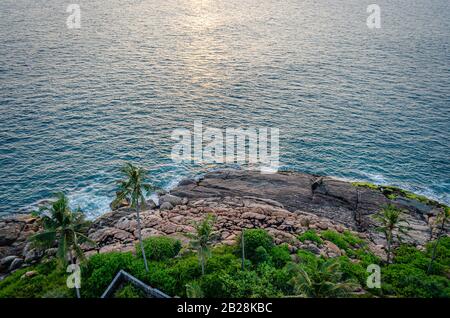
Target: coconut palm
441 219
202 239
132 189
391 222
322 280
64 227
243 249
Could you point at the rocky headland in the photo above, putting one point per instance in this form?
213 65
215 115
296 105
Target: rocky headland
286 204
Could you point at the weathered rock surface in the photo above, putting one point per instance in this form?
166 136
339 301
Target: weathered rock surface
327 197
285 204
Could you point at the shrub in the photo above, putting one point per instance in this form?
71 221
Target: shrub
352 239
336 238
238 285
351 270
366 256
159 248
255 238
226 262
276 277
308 259
405 254
280 255
48 279
218 285
310 235
441 263
261 255
408 281
100 270
128 291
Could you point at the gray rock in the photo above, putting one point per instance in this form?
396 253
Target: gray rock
33 255
16 263
187 182
150 204
172 199
161 192
51 251
313 249
6 261
166 206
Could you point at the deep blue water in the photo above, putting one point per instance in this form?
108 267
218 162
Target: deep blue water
349 101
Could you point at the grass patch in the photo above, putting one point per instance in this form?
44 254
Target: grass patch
392 192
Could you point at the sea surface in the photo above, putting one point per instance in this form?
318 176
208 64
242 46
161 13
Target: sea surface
351 102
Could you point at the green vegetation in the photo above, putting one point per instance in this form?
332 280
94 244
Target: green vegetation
49 281
344 241
253 239
310 235
441 222
269 273
321 279
160 248
128 291
392 193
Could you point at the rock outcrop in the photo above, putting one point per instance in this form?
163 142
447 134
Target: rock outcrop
326 197
285 204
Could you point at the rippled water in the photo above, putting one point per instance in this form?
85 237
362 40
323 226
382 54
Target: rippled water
349 101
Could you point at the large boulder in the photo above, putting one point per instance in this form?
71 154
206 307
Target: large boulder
5 262
15 264
172 199
166 206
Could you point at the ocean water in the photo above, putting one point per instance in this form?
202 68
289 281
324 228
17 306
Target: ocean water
352 102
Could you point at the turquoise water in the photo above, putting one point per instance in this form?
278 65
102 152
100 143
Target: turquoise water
350 102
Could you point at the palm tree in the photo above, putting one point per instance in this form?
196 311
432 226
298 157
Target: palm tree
131 189
322 280
441 219
243 249
392 222
65 227
203 237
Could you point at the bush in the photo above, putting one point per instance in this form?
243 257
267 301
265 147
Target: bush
255 238
280 255
128 291
441 263
351 270
336 238
405 254
226 262
308 259
218 285
50 279
352 239
238 285
186 269
159 248
408 281
100 270
310 235
366 256
261 255
276 277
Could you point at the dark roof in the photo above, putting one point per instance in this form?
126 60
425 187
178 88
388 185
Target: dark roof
124 277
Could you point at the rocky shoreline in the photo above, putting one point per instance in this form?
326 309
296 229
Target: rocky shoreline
286 204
